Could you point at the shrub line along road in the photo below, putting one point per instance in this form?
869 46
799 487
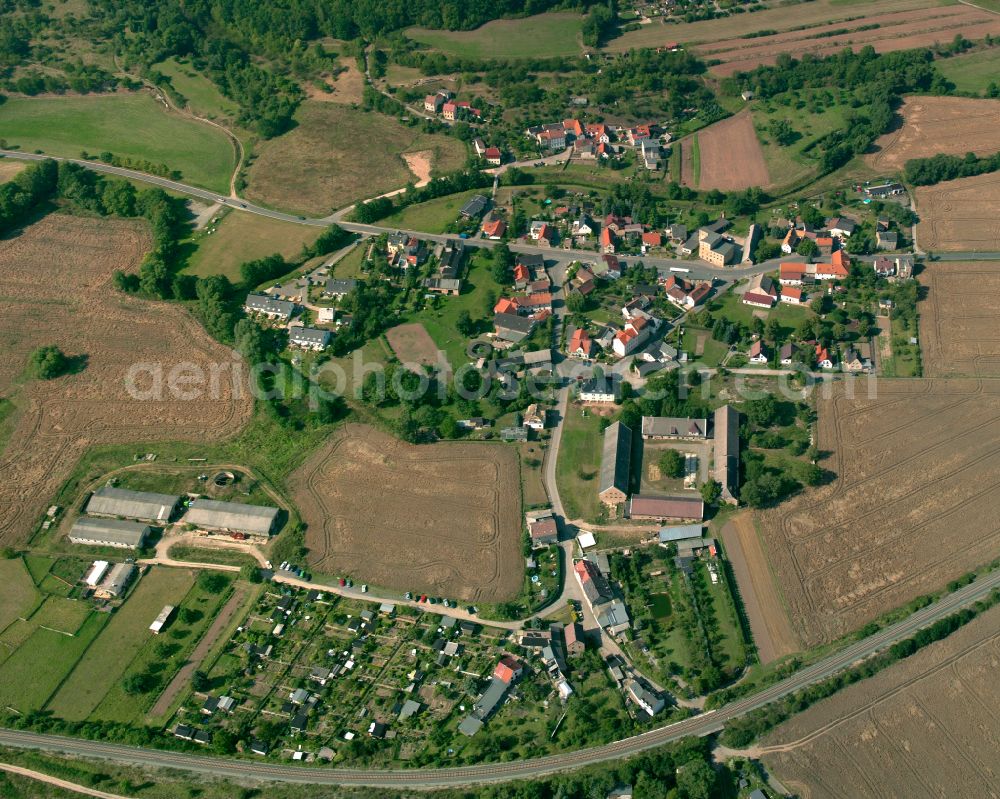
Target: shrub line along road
699 725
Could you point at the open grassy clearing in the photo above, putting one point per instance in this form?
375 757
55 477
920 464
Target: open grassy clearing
38 666
973 72
133 126
203 97
336 155
108 657
19 592
433 216
778 18
790 165
548 35
241 237
61 615
224 557
579 464
8 169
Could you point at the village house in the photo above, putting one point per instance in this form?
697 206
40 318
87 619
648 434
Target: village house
792 295
475 207
309 338
534 417
511 327
600 390
761 293
684 293
716 249
630 338
494 229
886 240
790 242
841 227
443 285
581 345
788 353
823 358
493 156
584 226
268 306
758 353
542 527
607 241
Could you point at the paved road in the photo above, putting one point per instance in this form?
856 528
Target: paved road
699 725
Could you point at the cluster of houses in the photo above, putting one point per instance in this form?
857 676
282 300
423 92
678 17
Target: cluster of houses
592 141
444 103
515 317
507 672
714 244
301 336
616 465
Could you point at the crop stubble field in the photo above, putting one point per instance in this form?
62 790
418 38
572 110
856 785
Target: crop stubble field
915 463
731 156
924 727
441 518
933 125
899 30
960 215
55 284
959 332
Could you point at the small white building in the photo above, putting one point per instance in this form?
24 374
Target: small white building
96 573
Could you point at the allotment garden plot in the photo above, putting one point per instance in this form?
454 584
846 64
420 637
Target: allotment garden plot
55 280
915 504
959 329
442 519
924 727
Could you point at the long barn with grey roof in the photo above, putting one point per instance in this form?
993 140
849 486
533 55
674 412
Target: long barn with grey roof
616 464
144 505
234 517
109 533
727 451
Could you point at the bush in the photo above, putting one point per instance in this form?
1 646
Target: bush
48 362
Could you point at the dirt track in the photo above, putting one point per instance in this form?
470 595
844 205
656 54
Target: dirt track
915 464
772 632
441 518
924 727
730 155
55 280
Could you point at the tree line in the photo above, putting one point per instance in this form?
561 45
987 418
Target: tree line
938 168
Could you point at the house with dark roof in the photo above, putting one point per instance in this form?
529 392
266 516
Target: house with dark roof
475 207
616 464
109 533
234 517
309 338
656 428
339 288
144 505
511 327
268 306
595 585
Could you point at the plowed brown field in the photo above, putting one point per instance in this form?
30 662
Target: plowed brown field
927 726
917 464
959 327
960 215
442 519
933 125
896 31
55 284
730 155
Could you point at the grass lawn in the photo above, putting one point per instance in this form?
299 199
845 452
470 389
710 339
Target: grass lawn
162 654
19 592
433 216
110 655
730 305
543 35
351 264
203 97
579 463
337 154
241 237
440 320
789 165
973 72
532 486
225 557
61 615
38 666
714 351
133 126
729 642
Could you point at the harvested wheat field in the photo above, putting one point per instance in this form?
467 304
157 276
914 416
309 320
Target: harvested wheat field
731 157
441 518
413 344
915 464
926 726
960 215
959 329
933 125
55 280
885 32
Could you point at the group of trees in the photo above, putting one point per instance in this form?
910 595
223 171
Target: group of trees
927 171
26 193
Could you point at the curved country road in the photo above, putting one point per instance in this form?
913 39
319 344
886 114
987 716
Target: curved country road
702 724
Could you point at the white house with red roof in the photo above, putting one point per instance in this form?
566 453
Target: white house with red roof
581 345
631 337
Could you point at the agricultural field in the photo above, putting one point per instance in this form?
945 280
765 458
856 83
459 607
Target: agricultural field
241 237
778 18
887 529
367 516
934 125
549 35
960 215
925 726
958 319
883 30
56 281
730 155
20 594
331 159
110 655
973 72
132 126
